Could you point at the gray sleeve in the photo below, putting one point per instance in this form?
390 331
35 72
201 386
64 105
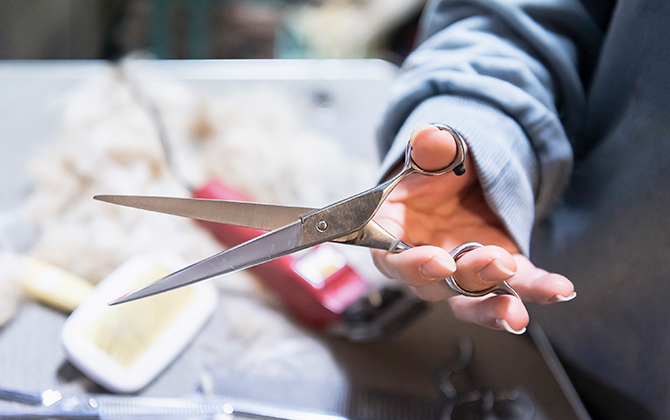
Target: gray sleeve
507 76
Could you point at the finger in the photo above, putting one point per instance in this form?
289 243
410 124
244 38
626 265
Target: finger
484 267
434 292
499 312
537 285
432 148
418 266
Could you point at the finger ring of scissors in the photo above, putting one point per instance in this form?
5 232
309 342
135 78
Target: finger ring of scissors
499 289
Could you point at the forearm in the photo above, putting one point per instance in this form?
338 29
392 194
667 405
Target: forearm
501 79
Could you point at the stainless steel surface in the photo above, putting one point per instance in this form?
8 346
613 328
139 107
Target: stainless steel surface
499 289
372 235
263 248
107 407
253 215
31 117
46 398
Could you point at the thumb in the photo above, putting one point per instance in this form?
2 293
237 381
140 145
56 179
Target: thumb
432 148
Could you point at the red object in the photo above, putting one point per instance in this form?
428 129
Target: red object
314 304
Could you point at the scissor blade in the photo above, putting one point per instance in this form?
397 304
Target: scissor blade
240 213
263 248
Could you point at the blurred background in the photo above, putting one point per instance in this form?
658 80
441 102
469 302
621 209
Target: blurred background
278 100
207 29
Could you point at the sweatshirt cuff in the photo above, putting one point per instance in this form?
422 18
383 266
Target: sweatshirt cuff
505 161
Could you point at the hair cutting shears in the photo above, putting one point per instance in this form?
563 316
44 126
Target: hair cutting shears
292 229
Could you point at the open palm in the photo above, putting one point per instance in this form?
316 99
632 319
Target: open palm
435 215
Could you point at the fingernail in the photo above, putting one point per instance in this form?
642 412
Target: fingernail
437 267
495 272
503 325
559 298
420 128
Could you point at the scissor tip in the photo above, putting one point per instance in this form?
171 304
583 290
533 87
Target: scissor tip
101 197
119 300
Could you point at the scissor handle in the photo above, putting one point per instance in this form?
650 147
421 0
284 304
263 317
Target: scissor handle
502 288
457 165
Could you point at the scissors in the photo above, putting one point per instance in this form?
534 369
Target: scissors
292 229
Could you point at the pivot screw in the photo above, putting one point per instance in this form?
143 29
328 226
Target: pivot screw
322 226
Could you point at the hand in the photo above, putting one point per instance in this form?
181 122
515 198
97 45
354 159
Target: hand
435 215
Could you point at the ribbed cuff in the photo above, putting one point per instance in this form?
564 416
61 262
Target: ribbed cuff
504 159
